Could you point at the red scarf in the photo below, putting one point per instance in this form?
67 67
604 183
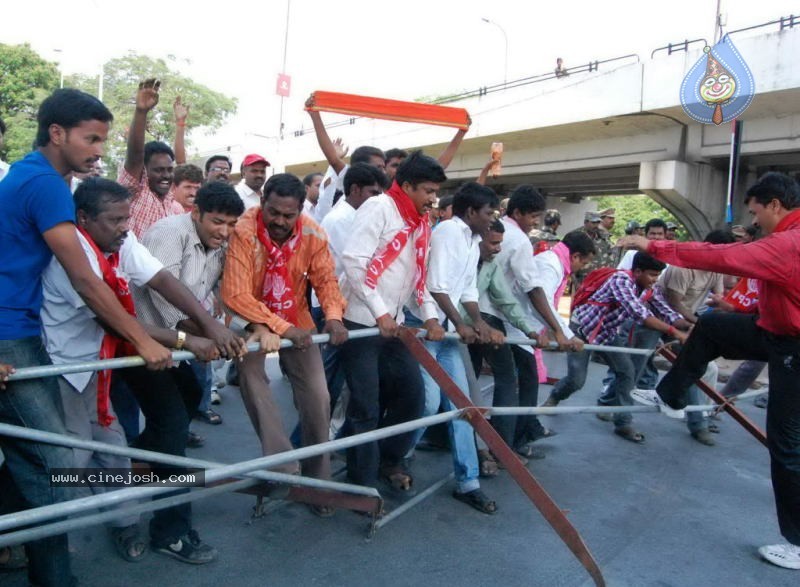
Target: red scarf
413 220
277 292
112 346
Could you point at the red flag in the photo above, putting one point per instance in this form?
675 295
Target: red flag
744 296
284 85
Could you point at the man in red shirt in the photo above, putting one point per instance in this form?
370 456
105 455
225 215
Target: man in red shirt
773 336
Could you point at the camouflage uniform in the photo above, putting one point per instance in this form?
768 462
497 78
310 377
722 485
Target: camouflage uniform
603 258
546 236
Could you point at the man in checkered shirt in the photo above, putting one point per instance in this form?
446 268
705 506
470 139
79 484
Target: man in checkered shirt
626 295
148 168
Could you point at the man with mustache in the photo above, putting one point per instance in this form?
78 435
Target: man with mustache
275 254
148 168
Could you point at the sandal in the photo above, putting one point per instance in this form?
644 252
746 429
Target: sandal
545 433
605 416
713 428
488 465
398 479
477 499
130 544
16 559
209 417
628 433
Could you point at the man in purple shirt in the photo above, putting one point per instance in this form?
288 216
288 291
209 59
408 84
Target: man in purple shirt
624 296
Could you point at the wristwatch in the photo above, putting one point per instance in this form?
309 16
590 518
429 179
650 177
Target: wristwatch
181 340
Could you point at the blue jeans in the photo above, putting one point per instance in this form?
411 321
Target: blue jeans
462 437
25 478
202 370
619 392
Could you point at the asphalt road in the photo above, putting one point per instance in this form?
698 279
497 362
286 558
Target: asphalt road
669 512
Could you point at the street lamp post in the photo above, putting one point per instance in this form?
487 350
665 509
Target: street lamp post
60 69
505 38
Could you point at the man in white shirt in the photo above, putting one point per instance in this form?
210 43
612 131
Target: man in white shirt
312 182
361 182
383 267
655 229
452 280
254 174
525 208
73 334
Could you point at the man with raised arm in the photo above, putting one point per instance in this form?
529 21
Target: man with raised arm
148 168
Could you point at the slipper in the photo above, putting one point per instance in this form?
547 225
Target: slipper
628 433
209 417
605 416
477 499
488 464
713 428
194 440
129 542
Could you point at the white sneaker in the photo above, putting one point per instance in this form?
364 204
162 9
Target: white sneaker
649 397
782 555
216 398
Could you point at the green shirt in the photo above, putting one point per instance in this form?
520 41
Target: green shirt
492 284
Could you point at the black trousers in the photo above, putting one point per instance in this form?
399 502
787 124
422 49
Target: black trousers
736 336
166 399
386 388
506 392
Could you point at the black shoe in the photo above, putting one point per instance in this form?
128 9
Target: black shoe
188 549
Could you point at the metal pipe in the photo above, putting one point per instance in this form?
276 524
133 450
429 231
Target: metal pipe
177 461
60 527
125 362
115 497
412 502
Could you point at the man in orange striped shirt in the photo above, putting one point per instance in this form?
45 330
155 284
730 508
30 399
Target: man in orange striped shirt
274 254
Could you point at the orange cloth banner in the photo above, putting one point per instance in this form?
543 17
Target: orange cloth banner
353 105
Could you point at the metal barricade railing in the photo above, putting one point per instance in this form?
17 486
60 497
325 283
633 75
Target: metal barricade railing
48 520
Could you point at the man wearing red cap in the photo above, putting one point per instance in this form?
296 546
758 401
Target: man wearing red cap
254 174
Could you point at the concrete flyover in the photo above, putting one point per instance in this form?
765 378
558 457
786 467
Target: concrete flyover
614 128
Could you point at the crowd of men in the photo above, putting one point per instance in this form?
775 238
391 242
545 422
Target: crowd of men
172 256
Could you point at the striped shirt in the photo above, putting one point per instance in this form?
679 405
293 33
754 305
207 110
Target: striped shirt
618 300
147 207
245 266
174 241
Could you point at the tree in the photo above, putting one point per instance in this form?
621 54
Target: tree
640 208
121 79
25 80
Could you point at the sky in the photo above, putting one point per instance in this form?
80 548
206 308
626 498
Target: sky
423 48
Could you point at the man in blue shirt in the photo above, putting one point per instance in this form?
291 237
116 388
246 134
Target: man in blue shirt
37 222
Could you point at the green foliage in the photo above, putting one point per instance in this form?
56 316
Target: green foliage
25 80
640 208
121 79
